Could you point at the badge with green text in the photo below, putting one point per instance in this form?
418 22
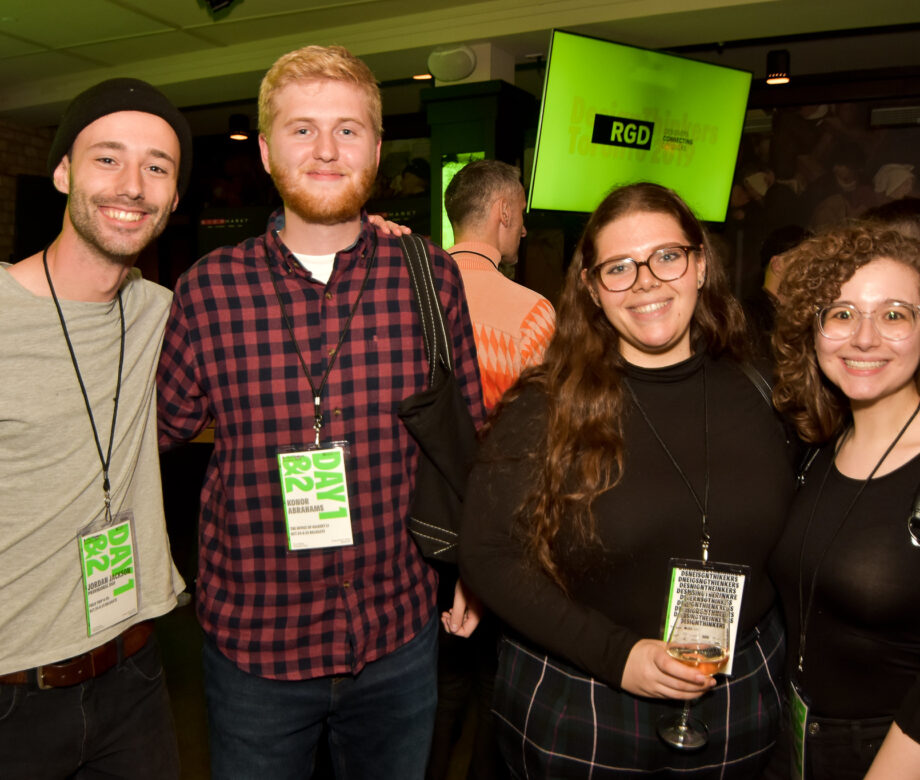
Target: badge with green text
315 496
711 590
108 561
798 717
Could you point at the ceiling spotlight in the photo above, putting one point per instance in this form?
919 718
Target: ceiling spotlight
778 66
422 77
239 127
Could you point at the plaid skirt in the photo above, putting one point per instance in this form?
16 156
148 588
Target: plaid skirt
553 721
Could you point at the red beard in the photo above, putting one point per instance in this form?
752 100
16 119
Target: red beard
324 209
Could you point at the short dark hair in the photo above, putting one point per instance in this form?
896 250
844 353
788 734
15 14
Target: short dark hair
474 188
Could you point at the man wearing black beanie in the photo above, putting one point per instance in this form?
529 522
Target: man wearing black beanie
84 557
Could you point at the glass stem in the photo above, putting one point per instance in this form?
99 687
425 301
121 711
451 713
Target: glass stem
684 716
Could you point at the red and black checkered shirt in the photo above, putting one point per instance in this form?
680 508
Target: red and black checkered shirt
228 357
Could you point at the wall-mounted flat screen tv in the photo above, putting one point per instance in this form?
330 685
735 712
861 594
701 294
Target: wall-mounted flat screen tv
615 114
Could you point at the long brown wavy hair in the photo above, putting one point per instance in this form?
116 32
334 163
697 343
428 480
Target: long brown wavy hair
581 455
814 273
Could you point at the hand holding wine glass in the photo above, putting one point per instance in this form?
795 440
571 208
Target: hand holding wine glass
708 658
699 638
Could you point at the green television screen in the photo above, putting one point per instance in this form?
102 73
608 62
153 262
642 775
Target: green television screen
615 114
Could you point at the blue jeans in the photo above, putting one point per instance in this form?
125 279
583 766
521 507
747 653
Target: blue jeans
379 721
117 725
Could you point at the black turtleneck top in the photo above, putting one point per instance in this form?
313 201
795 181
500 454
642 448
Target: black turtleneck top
617 591
862 638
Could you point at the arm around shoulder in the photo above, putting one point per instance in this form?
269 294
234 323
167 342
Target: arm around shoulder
182 407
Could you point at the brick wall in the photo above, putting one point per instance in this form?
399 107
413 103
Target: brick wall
23 150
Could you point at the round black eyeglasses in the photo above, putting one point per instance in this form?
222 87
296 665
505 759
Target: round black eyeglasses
667 265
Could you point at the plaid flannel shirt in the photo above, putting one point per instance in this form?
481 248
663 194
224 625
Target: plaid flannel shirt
228 358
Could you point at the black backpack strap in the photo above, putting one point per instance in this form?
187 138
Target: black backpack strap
765 388
759 381
434 326
439 421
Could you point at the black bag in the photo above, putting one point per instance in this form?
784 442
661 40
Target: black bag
439 421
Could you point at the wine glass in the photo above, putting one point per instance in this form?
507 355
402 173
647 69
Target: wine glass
699 638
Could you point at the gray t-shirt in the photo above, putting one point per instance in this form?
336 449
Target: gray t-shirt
50 471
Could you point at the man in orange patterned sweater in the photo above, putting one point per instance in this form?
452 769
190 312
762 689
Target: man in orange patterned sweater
512 324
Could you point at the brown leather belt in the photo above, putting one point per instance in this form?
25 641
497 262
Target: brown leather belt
82 667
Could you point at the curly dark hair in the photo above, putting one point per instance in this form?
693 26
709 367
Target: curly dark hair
814 273
581 375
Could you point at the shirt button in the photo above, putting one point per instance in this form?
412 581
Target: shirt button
331 352
337 412
813 728
346 584
329 296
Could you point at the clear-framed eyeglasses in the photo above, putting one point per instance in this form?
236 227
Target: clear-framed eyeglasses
667 265
893 320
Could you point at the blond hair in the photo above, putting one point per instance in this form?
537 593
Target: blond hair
333 63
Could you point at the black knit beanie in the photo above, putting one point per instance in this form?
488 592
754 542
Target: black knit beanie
109 97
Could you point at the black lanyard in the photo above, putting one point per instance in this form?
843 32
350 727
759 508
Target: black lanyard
805 608
317 393
703 505
105 460
478 254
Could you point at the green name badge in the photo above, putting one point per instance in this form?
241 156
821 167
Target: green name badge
108 562
798 717
314 492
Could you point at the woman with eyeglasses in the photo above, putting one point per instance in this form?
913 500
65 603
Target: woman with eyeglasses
643 440
848 565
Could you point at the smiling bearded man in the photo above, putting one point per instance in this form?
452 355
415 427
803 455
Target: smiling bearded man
299 344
